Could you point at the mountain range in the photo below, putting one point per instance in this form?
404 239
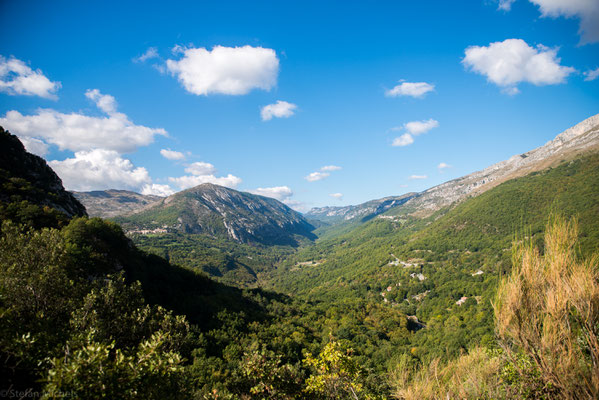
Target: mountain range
111 203
406 278
218 211
579 139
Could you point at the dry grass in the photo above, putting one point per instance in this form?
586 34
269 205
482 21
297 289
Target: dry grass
548 308
472 376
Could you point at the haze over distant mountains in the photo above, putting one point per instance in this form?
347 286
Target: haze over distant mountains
222 212
111 203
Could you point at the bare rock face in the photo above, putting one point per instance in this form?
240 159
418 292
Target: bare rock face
218 211
362 211
582 138
27 177
112 203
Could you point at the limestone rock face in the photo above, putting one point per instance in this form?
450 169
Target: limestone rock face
223 212
582 138
112 203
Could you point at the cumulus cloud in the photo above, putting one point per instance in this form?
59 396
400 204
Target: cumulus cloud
280 109
413 89
225 70
403 140
203 172
17 78
324 172
150 53
172 154
338 196
591 74
188 181
100 169
157 190
79 132
281 193
443 166
104 102
413 128
419 127
316 176
200 168
34 146
329 168
413 177
513 61
586 10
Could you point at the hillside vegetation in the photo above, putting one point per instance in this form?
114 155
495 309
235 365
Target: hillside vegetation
493 297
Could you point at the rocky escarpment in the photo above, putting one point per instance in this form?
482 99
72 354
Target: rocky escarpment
222 212
362 211
584 137
26 177
112 203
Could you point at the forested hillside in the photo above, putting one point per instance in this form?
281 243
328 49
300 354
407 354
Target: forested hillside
371 313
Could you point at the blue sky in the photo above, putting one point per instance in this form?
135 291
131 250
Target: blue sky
478 82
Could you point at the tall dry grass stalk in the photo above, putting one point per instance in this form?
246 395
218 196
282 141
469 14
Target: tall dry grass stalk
471 376
548 308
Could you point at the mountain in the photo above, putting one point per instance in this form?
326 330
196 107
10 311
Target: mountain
29 184
581 138
222 212
112 203
363 212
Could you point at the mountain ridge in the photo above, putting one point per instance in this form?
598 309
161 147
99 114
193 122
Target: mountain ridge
114 202
25 177
223 212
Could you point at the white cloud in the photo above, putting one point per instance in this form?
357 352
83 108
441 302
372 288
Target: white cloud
34 146
157 190
403 140
281 193
412 177
414 128
323 173
172 154
150 53
419 127
513 61
316 176
297 205
17 78
414 89
338 196
591 74
280 109
586 10
442 166
329 168
104 102
200 168
79 132
203 172
505 5
188 181
225 70
100 169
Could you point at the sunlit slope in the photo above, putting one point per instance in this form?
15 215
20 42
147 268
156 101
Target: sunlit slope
483 226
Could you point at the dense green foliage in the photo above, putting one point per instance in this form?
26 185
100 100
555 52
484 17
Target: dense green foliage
85 312
230 262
